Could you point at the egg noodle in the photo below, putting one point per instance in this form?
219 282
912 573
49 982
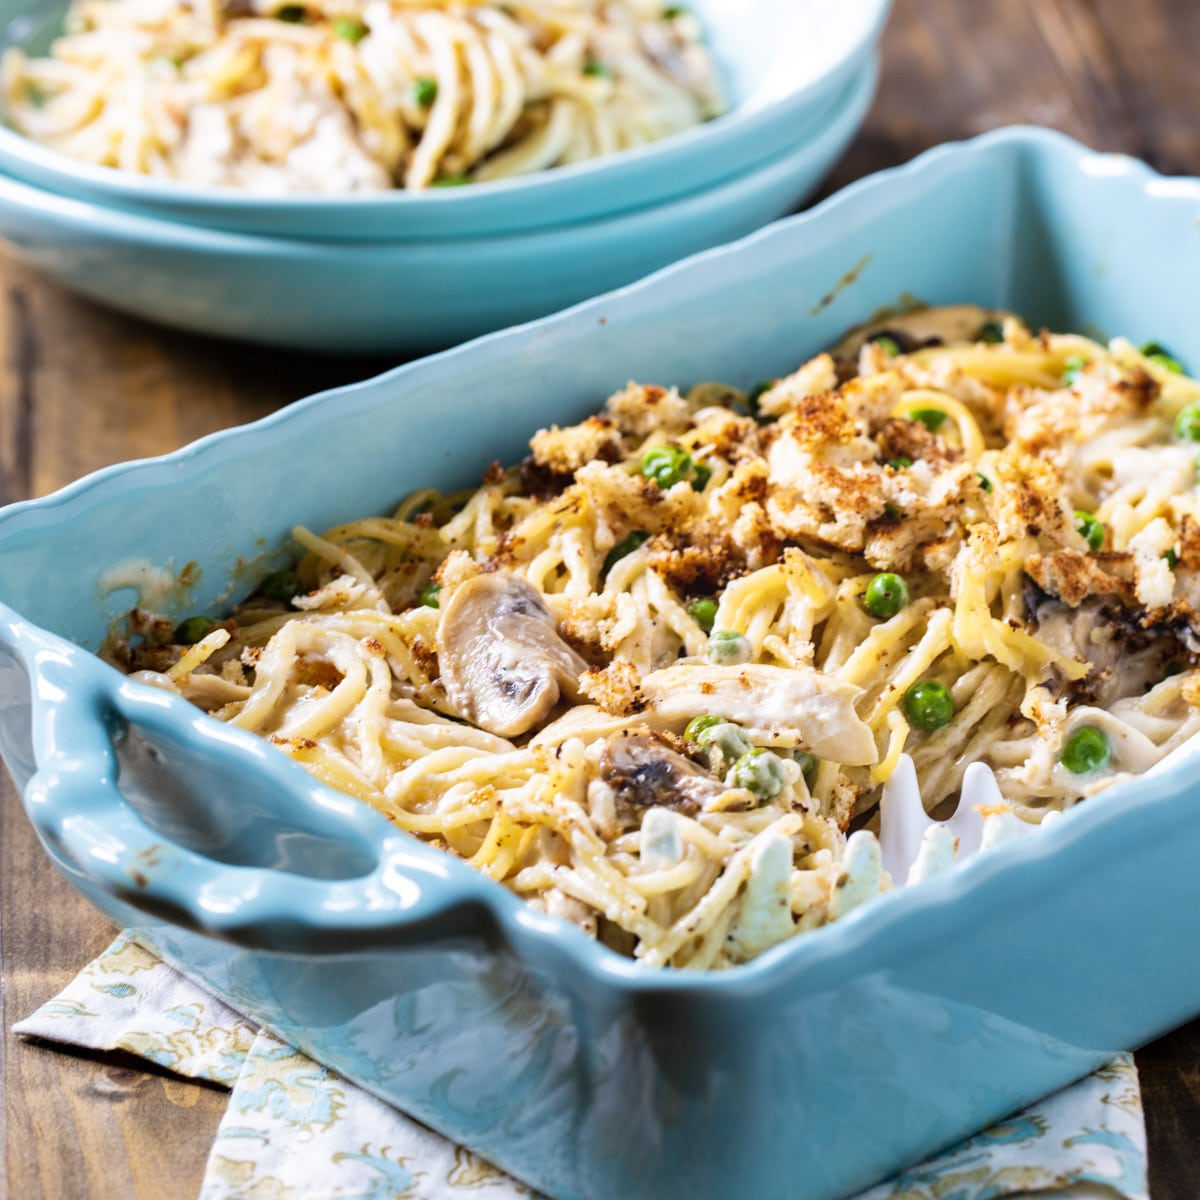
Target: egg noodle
952 539
338 95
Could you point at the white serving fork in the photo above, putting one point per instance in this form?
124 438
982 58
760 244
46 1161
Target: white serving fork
912 847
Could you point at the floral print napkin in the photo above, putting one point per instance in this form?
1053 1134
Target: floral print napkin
297 1131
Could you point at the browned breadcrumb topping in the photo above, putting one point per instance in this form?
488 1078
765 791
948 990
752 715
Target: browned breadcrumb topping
1189 543
642 409
819 419
293 743
425 655
317 673
1071 576
563 451
900 437
705 567
616 688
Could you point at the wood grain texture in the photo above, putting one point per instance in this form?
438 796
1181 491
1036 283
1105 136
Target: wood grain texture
81 388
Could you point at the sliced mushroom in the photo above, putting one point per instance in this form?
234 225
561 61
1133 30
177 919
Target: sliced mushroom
500 655
776 706
1126 659
644 773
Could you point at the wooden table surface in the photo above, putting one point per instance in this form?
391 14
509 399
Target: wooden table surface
81 387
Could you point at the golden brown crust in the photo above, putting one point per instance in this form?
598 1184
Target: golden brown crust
899 437
639 410
1189 543
317 673
426 657
562 451
1072 576
616 688
819 419
1031 502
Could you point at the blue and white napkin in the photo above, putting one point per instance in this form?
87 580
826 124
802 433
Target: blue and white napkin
297 1130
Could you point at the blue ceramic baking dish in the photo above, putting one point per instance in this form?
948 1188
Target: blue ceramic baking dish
391 296
824 1065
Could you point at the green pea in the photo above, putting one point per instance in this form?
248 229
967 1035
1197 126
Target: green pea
885 595
1172 558
349 29
283 586
697 725
886 343
1167 363
193 630
293 14
425 92
703 612
991 332
597 69
717 736
429 597
928 705
759 772
727 647
893 512
808 764
932 418
1187 423
456 179
666 465
627 545
1072 369
899 464
672 11
1086 750
727 739
1092 529
1158 354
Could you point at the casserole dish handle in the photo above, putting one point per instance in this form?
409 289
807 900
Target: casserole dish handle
138 794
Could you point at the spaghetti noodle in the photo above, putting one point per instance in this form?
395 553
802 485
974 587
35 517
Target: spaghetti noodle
343 95
653 677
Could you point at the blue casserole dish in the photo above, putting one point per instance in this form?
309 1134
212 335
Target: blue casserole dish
822 1066
387 296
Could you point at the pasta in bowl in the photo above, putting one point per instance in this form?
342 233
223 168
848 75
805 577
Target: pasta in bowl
654 678
781 78
347 96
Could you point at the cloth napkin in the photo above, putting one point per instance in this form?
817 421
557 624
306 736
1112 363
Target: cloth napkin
297 1130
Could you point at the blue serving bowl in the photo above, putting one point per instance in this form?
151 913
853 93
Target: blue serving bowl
784 64
829 1062
397 296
